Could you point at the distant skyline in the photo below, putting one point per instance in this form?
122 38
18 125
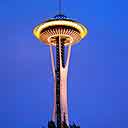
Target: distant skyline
98 70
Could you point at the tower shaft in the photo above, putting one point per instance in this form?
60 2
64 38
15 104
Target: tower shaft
60 112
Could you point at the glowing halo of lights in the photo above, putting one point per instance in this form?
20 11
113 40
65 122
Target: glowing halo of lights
62 35
76 36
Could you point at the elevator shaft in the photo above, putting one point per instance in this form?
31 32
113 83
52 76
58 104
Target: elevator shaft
58 103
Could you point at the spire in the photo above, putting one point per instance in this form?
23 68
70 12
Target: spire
60 6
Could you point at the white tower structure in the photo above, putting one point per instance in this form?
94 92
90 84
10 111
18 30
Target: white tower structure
60 32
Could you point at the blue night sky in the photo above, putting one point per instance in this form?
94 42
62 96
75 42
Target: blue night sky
98 74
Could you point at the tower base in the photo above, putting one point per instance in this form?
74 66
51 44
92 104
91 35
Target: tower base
51 124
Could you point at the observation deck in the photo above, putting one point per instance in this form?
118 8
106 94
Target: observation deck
69 30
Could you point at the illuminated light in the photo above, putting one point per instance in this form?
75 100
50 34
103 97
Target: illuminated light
74 35
78 26
60 35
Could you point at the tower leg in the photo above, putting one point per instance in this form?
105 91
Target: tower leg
54 76
63 89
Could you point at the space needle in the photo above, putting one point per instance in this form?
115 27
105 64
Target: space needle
59 33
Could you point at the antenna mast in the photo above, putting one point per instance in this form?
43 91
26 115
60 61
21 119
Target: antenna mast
60 6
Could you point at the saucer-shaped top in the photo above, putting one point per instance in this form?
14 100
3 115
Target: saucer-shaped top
60 25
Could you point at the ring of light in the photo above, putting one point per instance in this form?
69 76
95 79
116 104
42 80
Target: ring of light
83 30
